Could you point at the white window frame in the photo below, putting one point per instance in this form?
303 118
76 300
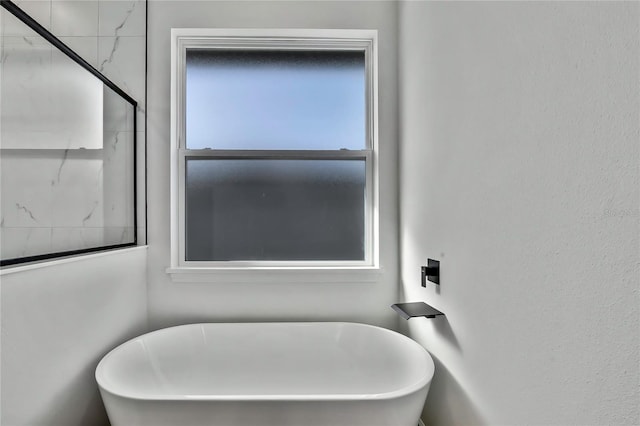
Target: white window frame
269 39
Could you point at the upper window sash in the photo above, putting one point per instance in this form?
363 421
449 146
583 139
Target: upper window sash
209 39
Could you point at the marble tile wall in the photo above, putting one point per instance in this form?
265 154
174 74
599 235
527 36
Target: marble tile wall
77 193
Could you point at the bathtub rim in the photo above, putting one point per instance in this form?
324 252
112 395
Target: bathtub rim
407 390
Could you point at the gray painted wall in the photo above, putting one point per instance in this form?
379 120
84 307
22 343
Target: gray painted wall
519 171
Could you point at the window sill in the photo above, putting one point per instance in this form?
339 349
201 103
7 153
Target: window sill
275 275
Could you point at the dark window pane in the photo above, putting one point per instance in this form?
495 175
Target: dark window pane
300 100
284 210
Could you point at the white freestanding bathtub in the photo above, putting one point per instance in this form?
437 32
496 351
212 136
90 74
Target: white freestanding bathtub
278 374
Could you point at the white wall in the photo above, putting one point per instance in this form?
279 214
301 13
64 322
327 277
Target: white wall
175 303
519 171
58 320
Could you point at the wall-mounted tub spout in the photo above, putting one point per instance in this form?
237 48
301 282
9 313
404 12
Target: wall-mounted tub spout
415 309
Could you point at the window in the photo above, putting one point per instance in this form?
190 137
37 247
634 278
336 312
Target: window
274 148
